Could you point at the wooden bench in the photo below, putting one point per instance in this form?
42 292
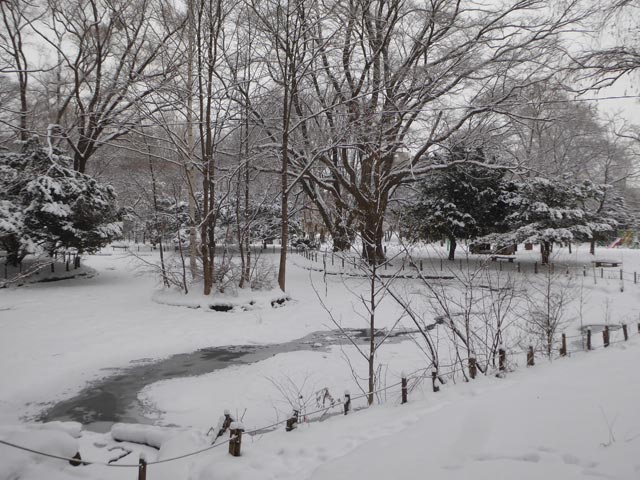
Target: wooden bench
508 258
124 247
607 263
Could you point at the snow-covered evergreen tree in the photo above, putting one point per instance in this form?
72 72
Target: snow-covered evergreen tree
460 202
547 211
47 205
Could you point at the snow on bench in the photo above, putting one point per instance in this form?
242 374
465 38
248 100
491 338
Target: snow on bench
496 258
607 263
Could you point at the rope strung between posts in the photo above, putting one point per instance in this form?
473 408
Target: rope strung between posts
413 376
197 452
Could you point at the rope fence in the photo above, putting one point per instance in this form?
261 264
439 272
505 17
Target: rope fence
436 372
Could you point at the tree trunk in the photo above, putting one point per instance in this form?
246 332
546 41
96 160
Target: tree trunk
340 237
452 248
372 331
204 245
372 237
193 253
545 250
284 233
592 246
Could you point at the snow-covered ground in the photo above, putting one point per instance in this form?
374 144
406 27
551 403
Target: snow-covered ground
571 418
56 337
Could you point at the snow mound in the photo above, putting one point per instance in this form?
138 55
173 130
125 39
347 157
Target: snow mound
181 444
144 434
17 464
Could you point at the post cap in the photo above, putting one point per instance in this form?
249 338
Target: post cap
236 426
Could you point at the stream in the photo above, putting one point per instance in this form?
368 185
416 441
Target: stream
115 398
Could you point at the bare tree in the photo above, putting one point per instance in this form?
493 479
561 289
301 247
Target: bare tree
547 313
284 26
370 290
14 30
393 80
605 64
110 56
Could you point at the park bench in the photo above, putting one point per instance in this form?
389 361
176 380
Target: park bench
123 247
607 263
500 258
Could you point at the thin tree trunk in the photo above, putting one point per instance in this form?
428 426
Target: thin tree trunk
372 331
545 250
193 253
452 248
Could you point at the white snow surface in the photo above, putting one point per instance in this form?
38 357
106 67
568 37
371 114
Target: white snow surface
572 418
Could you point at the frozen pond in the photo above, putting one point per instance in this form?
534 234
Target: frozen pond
115 397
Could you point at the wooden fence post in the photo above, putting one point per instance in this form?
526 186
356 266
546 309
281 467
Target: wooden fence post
605 336
420 264
142 468
620 274
530 358
588 339
563 348
535 267
441 265
434 377
601 272
473 369
625 332
292 421
584 270
347 402
76 460
235 442
635 277
502 359
518 266
404 388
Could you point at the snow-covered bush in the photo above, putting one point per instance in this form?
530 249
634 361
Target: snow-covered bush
47 205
